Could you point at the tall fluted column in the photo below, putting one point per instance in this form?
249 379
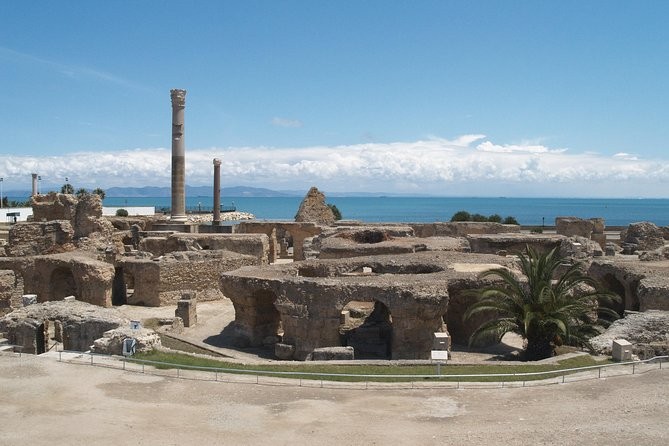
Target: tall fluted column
34 184
217 192
178 156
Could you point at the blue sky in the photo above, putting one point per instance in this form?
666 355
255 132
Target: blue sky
518 98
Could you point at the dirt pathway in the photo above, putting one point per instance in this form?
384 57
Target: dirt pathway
44 402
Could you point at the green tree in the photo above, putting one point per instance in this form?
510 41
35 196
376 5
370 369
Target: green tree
81 192
67 189
335 211
121 212
461 216
510 221
495 218
99 192
554 303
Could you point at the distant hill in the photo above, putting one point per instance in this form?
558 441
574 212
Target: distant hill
195 191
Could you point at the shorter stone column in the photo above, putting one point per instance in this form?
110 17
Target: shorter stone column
34 191
187 308
217 192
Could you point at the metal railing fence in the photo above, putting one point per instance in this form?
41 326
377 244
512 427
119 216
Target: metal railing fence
364 381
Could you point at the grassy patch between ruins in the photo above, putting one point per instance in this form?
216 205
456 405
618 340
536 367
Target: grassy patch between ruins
317 371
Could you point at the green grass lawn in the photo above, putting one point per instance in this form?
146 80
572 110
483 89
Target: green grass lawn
315 371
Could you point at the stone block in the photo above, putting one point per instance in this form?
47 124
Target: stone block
599 225
442 341
599 238
284 351
621 350
611 249
332 354
187 309
571 226
29 299
345 317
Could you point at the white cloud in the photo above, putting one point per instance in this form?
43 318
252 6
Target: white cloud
468 165
285 122
626 156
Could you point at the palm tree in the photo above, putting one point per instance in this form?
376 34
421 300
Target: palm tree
67 189
81 192
547 307
99 192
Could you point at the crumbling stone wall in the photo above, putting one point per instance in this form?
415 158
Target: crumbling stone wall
461 228
11 289
29 239
642 236
56 276
592 228
306 300
313 209
256 245
53 206
161 282
299 232
81 324
513 243
88 217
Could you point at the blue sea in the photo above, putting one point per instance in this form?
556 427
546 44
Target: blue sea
528 211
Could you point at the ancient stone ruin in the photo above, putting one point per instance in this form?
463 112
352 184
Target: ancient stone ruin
313 209
313 289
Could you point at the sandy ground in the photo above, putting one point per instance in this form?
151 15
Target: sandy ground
44 402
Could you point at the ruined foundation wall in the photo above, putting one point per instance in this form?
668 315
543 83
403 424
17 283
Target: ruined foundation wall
11 289
255 245
29 239
57 276
197 275
53 206
461 228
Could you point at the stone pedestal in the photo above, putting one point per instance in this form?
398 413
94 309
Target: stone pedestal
187 309
621 350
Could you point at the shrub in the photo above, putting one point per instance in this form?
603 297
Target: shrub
495 218
461 216
479 217
510 221
121 213
335 211
536 230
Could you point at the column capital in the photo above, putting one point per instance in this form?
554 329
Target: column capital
178 97
217 162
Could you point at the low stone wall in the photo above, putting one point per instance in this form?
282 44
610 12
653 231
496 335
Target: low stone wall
161 282
256 245
512 243
461 228
278 231
29 239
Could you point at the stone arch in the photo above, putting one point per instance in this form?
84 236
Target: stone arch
611 283
368 328
62 283
261 319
